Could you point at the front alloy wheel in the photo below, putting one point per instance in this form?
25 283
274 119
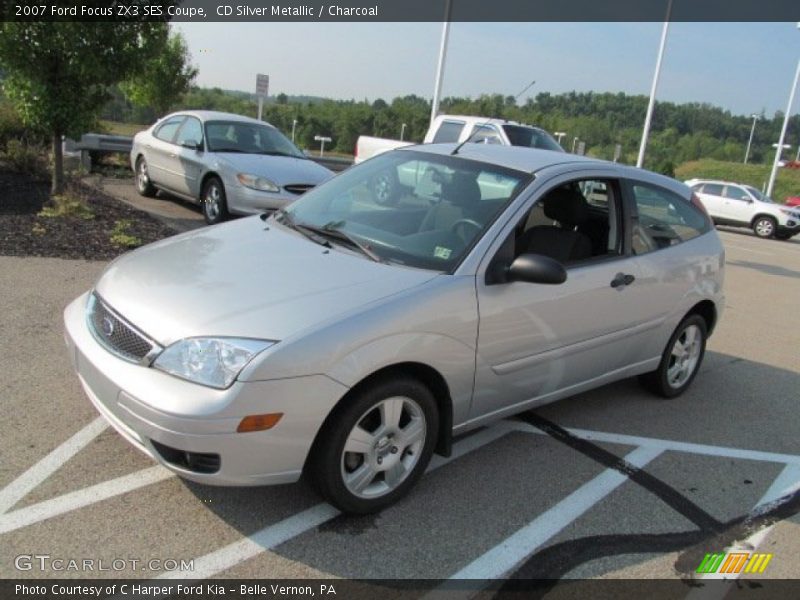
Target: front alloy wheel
375 445
215 207
764 227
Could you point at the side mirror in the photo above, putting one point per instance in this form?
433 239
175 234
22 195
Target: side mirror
536 268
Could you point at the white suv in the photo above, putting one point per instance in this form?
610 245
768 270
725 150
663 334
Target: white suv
742 205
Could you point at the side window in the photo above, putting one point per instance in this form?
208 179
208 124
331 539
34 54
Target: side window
712 189
448 132
191 131
574 222
736 193
665 219
167 130
484 134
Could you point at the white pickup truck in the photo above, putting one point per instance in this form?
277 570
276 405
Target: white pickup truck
455 128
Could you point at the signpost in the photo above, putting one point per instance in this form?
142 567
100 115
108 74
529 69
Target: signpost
262 89
617 152
321 139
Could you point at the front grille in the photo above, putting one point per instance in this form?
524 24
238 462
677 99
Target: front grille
115 334
298 188
191 461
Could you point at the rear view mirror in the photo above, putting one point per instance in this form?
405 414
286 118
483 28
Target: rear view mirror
536 268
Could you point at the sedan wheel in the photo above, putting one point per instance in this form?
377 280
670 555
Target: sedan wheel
143 184
764 227
681 359
376 445
215 207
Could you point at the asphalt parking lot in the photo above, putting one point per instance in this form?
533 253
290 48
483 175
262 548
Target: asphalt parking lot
613 483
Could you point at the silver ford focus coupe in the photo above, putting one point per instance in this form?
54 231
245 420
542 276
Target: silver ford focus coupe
228 163
350 340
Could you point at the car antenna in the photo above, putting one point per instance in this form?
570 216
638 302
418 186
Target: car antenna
457 148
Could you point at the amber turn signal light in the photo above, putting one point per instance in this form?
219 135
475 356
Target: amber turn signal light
259 422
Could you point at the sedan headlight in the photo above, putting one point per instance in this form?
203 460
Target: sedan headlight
257 183
214 362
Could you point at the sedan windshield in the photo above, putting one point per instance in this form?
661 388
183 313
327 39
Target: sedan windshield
248 138
407 207
531 137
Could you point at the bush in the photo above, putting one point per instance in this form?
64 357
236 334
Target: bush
120 236
11 127
22 157
67 205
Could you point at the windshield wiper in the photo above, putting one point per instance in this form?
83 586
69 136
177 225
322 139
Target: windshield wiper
332 230
227 150
279 153
287 219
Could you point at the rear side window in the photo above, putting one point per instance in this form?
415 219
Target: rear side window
665 219
167 131
712 189
448 132
191 131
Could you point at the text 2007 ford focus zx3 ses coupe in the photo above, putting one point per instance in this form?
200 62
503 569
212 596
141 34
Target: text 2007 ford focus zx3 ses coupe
350 339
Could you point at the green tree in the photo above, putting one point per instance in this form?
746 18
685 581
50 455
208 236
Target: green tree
163 80
57 74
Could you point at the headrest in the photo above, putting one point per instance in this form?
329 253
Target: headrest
463 189
567 206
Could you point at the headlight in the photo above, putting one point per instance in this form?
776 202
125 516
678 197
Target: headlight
214 362
789 211
257 183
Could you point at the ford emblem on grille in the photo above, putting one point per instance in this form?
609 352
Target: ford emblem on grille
108 327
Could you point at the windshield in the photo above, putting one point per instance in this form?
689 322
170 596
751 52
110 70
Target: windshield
408 207
248 138
757 195
531 137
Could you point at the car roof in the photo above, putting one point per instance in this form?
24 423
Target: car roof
476 120
719 181
215 115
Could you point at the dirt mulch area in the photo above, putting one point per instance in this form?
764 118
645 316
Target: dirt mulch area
23 232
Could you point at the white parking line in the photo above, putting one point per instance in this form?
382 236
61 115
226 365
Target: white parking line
510 552
22 485
54 507
688 447
273 535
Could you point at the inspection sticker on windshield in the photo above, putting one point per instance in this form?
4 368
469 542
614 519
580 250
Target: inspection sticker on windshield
441 252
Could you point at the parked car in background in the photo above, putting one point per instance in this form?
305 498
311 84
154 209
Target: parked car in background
743 205
349 340
793 201
228 163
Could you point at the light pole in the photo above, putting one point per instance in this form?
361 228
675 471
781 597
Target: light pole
322 139
778 151
402 131
437 88
750 141
574 141
294 126
559 135
651 105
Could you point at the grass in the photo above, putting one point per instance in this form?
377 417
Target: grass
116 128
787 182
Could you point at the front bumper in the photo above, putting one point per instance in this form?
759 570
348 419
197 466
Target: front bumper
784 230
245 201
146 405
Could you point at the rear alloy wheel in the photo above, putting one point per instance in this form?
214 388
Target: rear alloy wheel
764 227
143 184
376 447
681 359
215 206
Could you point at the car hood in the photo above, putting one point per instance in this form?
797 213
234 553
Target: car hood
281 170
244 279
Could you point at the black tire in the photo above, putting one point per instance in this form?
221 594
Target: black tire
215 205
142 178
659 381
330 463
764 227
385 188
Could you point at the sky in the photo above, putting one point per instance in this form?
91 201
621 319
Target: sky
742 67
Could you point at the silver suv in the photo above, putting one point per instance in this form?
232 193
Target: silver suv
742 205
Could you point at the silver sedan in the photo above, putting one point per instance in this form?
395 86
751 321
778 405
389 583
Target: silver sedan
229 163
351 340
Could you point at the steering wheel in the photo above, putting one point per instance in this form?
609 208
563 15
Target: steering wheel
459 227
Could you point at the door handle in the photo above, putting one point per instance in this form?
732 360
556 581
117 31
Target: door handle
622 279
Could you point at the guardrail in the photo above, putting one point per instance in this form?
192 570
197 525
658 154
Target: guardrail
100 143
